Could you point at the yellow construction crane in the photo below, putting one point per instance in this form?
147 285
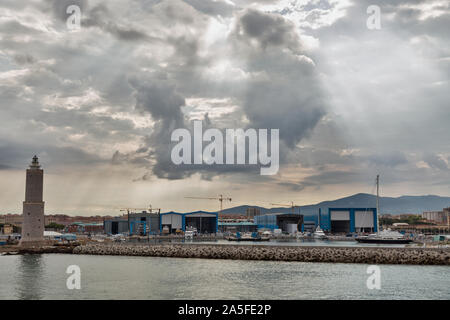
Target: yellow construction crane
221 199
292 205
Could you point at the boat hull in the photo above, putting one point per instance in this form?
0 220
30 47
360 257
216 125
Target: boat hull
385 241
247 239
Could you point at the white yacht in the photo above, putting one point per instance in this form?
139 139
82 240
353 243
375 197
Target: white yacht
386 236
319 234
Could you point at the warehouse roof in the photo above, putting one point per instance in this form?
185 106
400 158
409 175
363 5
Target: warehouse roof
187 213
243 223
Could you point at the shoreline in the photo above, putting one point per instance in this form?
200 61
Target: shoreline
326 254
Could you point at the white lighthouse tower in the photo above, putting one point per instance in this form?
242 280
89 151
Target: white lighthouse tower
33 206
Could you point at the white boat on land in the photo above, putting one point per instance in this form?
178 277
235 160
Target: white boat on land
319 234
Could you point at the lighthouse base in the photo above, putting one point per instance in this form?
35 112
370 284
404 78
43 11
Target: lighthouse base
35 243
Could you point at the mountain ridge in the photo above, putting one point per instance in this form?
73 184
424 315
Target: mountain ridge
392 205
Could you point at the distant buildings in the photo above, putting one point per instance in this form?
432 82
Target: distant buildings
13 219
141 223
6 229
439 217
62 219
86 228
252 212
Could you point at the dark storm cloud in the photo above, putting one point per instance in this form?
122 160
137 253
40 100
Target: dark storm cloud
265 101
288 96
147 60
158 97
267 29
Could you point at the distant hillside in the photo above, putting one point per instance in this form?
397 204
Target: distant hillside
403 204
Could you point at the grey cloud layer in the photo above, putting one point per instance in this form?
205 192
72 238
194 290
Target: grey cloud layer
114 91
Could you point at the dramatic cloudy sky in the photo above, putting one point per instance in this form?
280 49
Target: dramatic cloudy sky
98 105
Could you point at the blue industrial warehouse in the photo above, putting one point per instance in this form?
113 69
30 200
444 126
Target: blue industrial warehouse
141 223
145 223
344 220
336 220
204 222
287 222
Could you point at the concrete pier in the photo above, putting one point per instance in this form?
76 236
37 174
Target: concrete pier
412 256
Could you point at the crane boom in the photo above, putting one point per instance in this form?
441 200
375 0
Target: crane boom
221 198
292 205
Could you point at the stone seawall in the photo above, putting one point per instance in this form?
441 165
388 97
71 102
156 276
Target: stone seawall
413 256
13 250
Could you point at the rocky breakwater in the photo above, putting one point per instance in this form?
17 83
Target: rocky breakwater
37 249
413 256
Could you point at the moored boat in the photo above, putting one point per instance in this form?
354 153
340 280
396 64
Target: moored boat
253 236
386 236
319 234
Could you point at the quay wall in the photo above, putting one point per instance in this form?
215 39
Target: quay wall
367 255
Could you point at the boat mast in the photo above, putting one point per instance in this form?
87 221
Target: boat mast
378 203
319 218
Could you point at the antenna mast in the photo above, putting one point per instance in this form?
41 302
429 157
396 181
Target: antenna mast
378 203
